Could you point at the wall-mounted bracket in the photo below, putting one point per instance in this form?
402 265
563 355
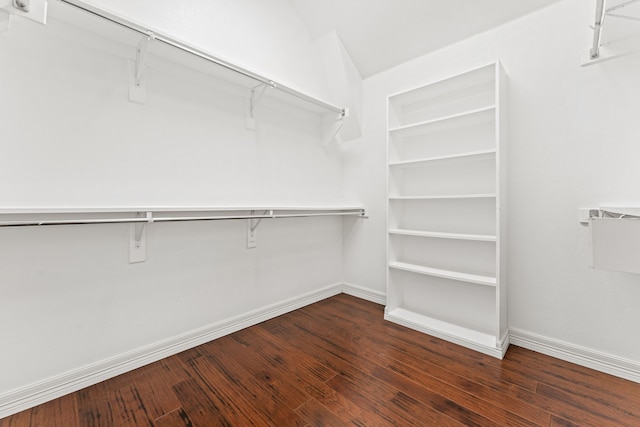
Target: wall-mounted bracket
254 99
35 10
625 44
138 238
252 225
334 128
137 83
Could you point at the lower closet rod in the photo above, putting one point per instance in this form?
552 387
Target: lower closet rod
36 223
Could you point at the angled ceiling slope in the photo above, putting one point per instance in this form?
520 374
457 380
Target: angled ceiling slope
380 34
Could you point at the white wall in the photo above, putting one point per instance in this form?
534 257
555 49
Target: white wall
573 142
69 299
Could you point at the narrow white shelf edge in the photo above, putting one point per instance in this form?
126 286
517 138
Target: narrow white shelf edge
169 208
446 196
447 157
441 235
442 119
437 327
445 274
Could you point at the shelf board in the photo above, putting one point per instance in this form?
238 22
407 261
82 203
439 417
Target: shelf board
441 119
447 157
169 208
446 196
445 274
478 340
440 235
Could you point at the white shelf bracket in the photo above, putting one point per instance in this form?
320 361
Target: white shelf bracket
252 225
138 239
137 83
254 99
600 51
334 128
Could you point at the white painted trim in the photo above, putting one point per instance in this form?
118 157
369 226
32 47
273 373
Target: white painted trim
365 293
498 353
603 362
34 394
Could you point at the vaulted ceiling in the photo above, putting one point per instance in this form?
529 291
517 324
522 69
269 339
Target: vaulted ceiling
379 34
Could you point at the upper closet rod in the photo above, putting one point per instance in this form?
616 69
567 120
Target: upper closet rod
201 54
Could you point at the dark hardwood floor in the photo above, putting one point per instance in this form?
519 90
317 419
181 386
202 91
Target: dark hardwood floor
337 363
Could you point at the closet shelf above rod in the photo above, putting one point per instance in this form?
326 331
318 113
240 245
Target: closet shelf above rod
47 217
159 37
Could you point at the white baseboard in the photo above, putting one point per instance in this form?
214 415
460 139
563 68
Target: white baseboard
364 293
34 394
613 365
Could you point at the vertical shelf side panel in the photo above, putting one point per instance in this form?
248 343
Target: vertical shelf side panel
501 200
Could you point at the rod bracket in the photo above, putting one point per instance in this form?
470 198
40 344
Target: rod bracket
138 238
137 82
254 98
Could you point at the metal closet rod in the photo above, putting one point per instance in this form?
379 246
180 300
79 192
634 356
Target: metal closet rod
200 53
150 219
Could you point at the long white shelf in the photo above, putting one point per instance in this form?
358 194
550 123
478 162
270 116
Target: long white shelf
120 21
478 340
441 119
447 157
441 235
446 196
170 208
445 274
16 217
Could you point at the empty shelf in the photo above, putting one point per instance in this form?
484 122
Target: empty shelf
441 119
446 196
459 334
440 235
416 162
445 274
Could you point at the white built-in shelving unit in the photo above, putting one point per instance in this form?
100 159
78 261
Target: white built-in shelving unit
447 223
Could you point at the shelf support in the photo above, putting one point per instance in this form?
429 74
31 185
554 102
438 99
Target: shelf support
601 52
254 99
334 128
137 83
138 238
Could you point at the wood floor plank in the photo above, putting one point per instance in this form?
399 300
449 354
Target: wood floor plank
275 398
315 414
559 422
384 400
202 407
594 389
607 410
60 412
338 362
393 406
244 402
95 406
310 375
177 418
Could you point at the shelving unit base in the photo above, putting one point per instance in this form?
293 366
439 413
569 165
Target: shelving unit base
475 340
